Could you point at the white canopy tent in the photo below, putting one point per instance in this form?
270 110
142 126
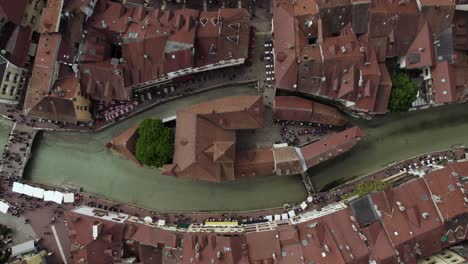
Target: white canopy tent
292 213
269 217
68 197
38 193
284 216
28 190
4 207
277 217
18 187
303 205
48 196
58 197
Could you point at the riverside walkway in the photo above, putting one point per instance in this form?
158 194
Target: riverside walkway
17 150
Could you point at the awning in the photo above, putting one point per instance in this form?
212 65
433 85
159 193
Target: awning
68 197
18 187
292 213
4 207
303 205
48 196
58 197
28 190
23 248
38 193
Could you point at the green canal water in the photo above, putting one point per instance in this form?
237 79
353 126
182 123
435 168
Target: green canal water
82 160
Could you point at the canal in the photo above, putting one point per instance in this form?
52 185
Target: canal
81 159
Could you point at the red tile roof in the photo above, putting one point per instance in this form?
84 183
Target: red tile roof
58 105
13 11
346 234
396 20
51 15
380 247
125 144
443 82
331 146
445 191
104 81
105 249
303 110
42 77
421 53
256 162
205 137
211 248
263 246
18 45
150 235
284 42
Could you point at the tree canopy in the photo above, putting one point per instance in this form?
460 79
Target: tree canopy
404 92
155 143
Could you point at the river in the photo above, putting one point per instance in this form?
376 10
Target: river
82 160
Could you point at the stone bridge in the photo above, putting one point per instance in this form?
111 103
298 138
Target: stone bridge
17 150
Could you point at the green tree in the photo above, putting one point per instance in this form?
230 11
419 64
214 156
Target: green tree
404 92
155 143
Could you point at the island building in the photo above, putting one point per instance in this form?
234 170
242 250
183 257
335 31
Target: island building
114 49
205 141
337 50
405 223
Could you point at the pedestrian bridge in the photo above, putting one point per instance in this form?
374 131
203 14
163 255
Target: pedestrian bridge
17 150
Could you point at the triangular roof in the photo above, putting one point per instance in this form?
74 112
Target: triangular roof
125 144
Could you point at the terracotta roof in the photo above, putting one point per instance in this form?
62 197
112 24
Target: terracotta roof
105 249
396 20
150 235
58 105
44 68
299 109
95 47
443 82
346 234
460 30
257 162
125 144
335 15
263 246
380 246
330 146
205 136
284 41
445 191
50 17
222 35
438 13
18 45
199 248
287 161
421 53
104 81
13 12
384 90
318 242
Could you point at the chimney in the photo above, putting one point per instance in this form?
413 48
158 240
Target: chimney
97 228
